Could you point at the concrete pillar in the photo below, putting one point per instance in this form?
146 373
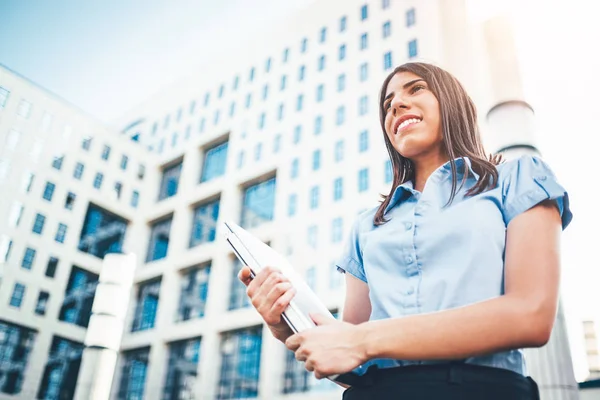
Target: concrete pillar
103 337
510 122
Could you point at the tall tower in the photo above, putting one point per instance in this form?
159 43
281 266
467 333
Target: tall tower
510 123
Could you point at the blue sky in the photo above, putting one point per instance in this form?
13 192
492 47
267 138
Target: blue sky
107 56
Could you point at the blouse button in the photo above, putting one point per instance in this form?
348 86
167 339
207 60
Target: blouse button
409 259
410 290
542 178
408 225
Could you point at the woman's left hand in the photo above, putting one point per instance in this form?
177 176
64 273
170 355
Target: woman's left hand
333 347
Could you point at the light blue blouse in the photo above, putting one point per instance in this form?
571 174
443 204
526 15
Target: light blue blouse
429 257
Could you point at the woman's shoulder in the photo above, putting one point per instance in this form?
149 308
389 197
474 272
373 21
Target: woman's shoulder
527 167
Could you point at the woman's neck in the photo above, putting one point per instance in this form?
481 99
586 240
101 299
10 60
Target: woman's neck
424 167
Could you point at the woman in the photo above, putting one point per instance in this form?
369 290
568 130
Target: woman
454 272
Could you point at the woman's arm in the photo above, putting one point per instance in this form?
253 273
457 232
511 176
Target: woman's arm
357 305
523 317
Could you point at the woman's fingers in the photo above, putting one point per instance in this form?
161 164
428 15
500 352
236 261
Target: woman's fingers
280 302
245 275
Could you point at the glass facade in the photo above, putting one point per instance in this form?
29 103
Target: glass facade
61 370
237 294
194 292
258 203
133 374
204 225
170 181
79 296
103 232
146 306
182 370
16 343
159 240
240 364
28 258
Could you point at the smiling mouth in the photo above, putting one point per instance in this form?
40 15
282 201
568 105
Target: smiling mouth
408 123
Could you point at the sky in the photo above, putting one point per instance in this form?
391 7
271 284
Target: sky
107 57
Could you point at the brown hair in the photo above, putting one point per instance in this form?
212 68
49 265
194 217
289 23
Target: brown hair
460 132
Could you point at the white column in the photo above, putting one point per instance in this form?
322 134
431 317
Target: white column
103 337
510 123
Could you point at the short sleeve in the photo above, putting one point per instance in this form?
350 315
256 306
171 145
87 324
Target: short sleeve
351 258
526 182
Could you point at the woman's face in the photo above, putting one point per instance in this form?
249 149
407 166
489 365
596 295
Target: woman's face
412 116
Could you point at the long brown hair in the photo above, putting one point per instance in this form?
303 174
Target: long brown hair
460 133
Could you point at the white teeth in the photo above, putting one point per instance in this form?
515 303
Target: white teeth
406 123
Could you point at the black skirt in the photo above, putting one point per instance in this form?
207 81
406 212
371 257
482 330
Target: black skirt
451 381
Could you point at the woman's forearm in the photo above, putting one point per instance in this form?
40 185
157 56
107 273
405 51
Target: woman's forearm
494 325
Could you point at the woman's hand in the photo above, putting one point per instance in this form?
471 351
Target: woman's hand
333 347
270 293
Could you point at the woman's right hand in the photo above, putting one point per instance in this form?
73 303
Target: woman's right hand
270 293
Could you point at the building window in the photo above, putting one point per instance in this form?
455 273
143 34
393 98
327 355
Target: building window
410 17
166 122
51 267
363 141
170 181
321 64
301 73
240 363
385 4
318 125
341 82
232 109
105 152
57 162
343 23
124 162
320 90
257 151
28 258
141 171
78 171
38 224
103 232
316 160
4 94
215 161
98 180
86 143
340 115
192 107
412 48
61 232
182 369
42 302
338 189
286 55
79 296
364 72
303 45
17 295
236 82
159 240
221 90
387 29
299 102
297 134
133 374
202 124
135 199
314 197
49 191
389 173
387 60
277 143
292 204
336 230
146 306
342 52
363 105
283 82
24 109
265 93
194 292
268 65
5 247
339 151
216 118
311 236
237 296
70 200
323 35
15 215
363 180
204 225
259 203
280 111
248 100
16 343
261 120
240 159
364 12
252 73
294 168
62 368
364 41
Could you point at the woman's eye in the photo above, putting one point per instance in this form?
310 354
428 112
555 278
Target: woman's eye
416 88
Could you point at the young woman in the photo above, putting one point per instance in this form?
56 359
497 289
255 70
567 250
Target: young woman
452 274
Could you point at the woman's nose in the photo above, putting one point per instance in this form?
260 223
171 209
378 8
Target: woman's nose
398 104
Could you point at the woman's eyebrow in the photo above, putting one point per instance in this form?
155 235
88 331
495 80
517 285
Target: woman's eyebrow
405 86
